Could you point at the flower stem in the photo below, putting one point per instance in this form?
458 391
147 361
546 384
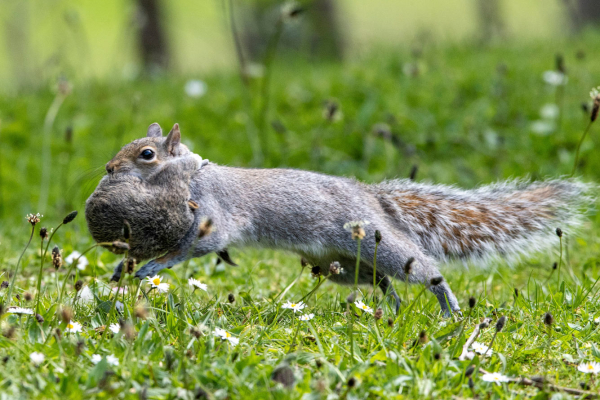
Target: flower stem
73 264
112 309
357 266
560 261
39 284
375 270
462 329
579 147
12 284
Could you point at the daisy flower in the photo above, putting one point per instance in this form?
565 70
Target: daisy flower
36 358
555 78
495 377
114 328
481 348
156 282
196 284
86 296
589 368
306 317
74 327
195 88
112 360
362 306
294 306
19 310
96 358
81 263
223 334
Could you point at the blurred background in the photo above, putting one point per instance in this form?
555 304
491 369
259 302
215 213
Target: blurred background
118 39
462 92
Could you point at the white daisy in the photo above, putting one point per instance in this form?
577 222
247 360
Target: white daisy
359 304
589 368
86 296
36 358
495 377
306 317
549 111
19 310
112 360
81 264
555 78
195 283
74 327
223 334
294 306
481 348
96 358
543 127
114 328
195 88
156 282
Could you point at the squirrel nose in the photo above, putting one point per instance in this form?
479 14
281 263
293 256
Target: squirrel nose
110 168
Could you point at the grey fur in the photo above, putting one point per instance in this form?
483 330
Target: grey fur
305 212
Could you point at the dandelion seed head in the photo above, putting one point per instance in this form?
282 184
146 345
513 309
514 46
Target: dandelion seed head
33 219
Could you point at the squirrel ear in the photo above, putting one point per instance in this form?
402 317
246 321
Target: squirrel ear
154 130
173 140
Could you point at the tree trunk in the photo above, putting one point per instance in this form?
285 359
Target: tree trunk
151 36
490 19
316 31
583 12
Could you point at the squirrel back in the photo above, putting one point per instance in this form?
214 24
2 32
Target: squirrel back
506 219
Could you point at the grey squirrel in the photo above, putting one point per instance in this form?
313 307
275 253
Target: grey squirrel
305 212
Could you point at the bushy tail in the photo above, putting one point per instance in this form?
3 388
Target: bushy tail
506 219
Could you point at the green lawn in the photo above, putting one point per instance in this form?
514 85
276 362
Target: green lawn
464 115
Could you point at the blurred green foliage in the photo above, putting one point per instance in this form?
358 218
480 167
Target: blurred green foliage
463 114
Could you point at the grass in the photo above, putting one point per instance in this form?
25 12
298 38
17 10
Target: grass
465 118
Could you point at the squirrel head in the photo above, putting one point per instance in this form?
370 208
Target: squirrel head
142 156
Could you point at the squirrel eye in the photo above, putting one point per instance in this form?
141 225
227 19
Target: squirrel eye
147 154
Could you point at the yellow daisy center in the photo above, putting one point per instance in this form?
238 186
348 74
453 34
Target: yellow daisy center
294 304
227 334
590 367
70 326
156 281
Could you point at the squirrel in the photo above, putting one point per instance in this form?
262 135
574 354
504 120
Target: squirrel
305 212
147 185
